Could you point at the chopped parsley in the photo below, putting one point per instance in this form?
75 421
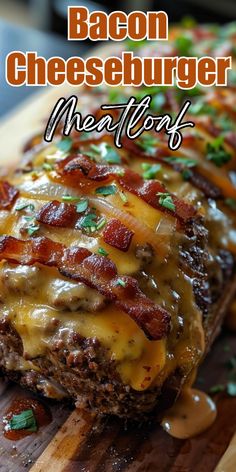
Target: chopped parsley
184 45
158 102
123 197
150 170
106 152
231 389
181 160
25 420
90 224
131 44
92 154
217 388
95 148
101 224
201 108
166 200
102 251
69 198
82 206
89 221
225 123
48 167
231 203
187 174
24 206
65 145
85 135
106 190
112 156
230 386
216 152
116 96
121 282
147 143
153 91
32 229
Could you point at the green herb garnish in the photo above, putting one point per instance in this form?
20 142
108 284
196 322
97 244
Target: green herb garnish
166 200
150 170
225 123
181 160
25 420
82 206
158 101
231 389
186 174
111 156
131 44
216 152
101 224
95 148
24 206
32 229
116 96
102 251
184 45
217 388
201 108
106 190
123 197
89 221
121 282
69 198
231 203
48 167
147 143
65 145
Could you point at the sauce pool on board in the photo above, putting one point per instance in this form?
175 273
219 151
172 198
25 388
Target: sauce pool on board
41 414
192 414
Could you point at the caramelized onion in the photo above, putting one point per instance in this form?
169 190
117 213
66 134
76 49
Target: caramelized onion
97 272
159 240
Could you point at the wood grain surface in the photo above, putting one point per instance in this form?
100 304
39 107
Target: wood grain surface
111 446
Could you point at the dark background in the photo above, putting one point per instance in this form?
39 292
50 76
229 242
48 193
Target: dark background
41 25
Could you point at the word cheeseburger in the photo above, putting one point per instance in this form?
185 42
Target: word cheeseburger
125 68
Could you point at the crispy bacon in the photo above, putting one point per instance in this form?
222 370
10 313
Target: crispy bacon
8 194
96 271
75 169
117 235
64 215
208 188
54 213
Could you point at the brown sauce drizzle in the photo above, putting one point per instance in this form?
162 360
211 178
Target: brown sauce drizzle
192 414
42 415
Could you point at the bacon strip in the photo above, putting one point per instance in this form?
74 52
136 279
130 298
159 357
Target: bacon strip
96 271
8 194
79 168
196 178
117 235
62 215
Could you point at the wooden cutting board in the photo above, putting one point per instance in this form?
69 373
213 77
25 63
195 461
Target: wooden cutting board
84 444
76 442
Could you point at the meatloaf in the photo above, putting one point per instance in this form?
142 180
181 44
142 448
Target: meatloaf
117 265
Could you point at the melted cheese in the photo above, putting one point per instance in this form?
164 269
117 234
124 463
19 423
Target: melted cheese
139 361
